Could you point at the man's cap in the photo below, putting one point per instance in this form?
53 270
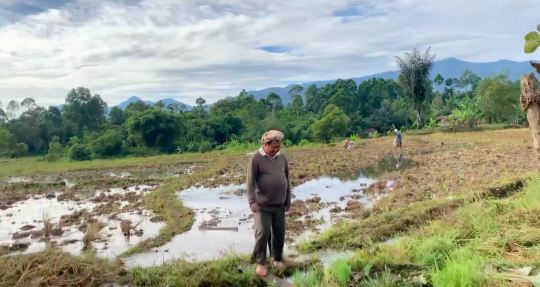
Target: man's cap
272 135
395 130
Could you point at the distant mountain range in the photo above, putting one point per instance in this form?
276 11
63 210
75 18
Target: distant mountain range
123 105
448 68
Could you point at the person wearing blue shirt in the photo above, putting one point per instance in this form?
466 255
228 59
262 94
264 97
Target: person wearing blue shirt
398 134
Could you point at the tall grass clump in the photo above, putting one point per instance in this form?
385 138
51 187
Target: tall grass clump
530 198
432 251
309 279
181 273
341 271
462 268
384 279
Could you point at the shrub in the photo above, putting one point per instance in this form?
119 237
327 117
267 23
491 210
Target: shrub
374 135
304 142
55 150
80 152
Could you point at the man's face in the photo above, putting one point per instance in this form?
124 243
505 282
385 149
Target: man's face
273 148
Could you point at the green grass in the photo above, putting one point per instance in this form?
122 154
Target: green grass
385 279
36 165
360 233
461 268
454 250
180 273
341 271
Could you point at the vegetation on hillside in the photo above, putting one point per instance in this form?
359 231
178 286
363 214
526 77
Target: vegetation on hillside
83 130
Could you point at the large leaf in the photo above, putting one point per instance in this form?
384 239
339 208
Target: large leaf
532 41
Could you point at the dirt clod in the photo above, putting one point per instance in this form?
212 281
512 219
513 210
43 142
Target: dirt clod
20 235
27 227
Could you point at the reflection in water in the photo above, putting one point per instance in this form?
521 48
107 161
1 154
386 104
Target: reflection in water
33 211
399 161
385 165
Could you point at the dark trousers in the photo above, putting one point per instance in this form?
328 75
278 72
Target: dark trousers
269 232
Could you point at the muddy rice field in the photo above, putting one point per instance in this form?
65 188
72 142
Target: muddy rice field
194 208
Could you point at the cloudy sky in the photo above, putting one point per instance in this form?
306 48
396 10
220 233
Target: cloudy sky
184 49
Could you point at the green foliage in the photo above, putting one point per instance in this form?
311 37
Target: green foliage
303 142
55 150
314 114
532 41
21 149
154 128
195 146
84 110
497 98
374 135
354 137
80 152
462 268
109 144
333 123
341 271
385 279
466 115
432 124
439 80
309 279
415 78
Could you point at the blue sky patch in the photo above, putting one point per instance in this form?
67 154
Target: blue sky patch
274 49
351 11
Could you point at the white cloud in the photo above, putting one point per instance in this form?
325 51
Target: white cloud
191 48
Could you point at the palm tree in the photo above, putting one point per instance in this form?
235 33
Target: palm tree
415 68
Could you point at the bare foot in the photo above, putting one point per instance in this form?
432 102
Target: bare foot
278 264
261 270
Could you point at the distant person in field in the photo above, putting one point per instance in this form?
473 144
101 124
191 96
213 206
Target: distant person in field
346 145
399 139
269 195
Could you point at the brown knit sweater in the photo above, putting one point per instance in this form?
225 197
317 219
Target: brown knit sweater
268 180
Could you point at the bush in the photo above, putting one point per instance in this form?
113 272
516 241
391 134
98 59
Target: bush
288 143
304 142
374 135
20 150
109 144
80 152
55 150
195 146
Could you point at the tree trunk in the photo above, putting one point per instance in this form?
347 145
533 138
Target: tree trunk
418 118
530 103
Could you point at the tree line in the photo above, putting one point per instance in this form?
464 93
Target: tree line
83 129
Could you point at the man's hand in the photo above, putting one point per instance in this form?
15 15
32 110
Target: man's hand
287 208
254 207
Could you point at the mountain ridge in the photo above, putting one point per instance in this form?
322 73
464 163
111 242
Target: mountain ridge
448 68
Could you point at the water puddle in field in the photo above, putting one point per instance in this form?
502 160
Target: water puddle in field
388 164
18 179
224 223
24 225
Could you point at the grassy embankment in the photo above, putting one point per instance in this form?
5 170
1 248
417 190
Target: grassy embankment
450 251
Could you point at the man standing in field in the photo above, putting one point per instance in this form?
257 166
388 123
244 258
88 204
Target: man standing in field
269 195
398 135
